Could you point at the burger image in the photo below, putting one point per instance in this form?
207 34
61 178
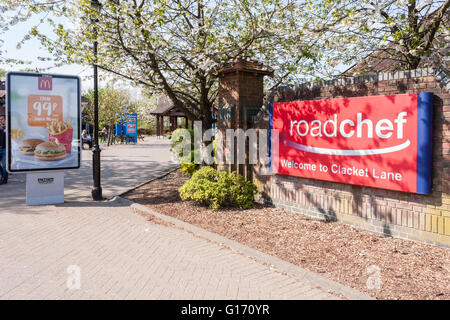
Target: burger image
28 145
50 151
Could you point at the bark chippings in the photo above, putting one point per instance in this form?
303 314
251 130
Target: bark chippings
401 269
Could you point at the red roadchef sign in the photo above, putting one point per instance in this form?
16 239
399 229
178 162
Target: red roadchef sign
376 141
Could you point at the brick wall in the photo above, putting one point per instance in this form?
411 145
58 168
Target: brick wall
405 215
240 84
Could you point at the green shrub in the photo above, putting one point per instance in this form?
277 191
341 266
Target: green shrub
217 190
187 163
189 168
179 143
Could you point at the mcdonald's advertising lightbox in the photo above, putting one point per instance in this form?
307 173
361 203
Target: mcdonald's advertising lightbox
43 122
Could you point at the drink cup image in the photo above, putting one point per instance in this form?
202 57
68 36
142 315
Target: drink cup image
62 133
16 138
16 135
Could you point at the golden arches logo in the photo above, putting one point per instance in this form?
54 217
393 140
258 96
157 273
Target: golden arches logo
45 83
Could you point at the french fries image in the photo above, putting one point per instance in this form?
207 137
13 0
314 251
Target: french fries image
57 127
62 132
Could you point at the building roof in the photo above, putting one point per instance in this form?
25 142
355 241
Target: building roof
380 61
240 64
165 107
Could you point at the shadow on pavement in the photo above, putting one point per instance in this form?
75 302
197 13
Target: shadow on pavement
123 167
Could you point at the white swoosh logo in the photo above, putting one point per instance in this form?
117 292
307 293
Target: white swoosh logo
340 152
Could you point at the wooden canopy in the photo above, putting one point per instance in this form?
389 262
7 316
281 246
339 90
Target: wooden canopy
166 108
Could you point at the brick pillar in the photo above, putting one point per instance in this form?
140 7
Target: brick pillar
241 88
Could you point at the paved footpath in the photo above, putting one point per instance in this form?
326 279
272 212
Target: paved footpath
105 250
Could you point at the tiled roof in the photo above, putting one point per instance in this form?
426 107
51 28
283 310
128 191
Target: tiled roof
164 106
240 64
380 61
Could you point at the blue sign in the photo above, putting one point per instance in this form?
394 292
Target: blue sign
131 127
128 127
119 129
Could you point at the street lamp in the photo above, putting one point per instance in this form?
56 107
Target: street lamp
97 189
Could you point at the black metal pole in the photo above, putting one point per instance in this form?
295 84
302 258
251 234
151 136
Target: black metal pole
97 189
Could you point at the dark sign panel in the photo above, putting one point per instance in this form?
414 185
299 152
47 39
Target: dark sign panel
226 113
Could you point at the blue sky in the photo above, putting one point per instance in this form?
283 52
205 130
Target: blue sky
32 49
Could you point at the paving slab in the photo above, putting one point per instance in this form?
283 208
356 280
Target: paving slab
105 250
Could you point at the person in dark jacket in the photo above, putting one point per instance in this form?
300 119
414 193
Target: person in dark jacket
3 172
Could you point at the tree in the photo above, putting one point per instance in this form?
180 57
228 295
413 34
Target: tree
113 105
404 31
177 47
13 12
143 107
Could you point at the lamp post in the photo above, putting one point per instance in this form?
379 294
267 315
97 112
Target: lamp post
97 189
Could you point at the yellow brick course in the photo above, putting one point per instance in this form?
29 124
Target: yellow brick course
434 223
440 225
428 222
447 226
